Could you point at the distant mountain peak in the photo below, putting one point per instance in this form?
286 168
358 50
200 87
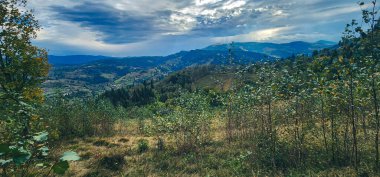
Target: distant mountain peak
278 50
326 42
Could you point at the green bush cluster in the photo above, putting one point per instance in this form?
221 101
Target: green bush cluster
142 145
187 119
81 118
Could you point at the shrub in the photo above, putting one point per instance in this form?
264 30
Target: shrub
123 140
101 143
142 145
81 118
160 144
188 121
115 162
32 151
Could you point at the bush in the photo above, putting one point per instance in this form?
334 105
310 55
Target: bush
160 144
188 121
101 143
81 118
142 145
115 162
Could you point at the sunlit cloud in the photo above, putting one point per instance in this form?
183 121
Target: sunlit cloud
205 2
259 35
233 4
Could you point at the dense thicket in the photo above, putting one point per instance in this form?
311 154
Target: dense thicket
315 111
80 118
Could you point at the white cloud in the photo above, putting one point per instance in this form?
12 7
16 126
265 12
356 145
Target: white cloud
183 22
205 2
279 13
261 9
233 4
75 36
336 11
259 35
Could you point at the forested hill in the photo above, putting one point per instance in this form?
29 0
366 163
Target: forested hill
97 76
82 74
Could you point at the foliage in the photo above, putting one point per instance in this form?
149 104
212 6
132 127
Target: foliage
135 96
149 92
20 156
81 118
142 146
23 67
238 164
114 162
188 121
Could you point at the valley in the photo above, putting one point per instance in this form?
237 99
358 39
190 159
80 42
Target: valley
91 75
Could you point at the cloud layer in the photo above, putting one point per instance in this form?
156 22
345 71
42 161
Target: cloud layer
151 27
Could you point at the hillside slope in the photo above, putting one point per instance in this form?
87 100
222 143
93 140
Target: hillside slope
97 76
88 75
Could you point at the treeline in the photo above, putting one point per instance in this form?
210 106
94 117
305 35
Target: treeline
131 96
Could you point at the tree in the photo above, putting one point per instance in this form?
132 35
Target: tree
23 66
349 64
370 53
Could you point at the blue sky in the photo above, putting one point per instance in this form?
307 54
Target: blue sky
162 27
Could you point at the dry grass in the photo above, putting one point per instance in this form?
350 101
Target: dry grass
124 143
213 159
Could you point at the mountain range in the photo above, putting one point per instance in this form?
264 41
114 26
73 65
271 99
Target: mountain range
283 50
85 74
274 50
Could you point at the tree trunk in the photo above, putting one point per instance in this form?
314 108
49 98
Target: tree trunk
353 119
271 132
324 125
333 138
375 102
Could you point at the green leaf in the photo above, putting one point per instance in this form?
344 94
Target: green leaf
20 156
21 159
40 137
43 165
4 149
44 150
70 156
60 167
40 165
4 162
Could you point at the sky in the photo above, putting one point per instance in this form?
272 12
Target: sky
162 27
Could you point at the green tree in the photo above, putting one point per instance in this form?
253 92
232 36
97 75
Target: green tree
370 53
23 67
